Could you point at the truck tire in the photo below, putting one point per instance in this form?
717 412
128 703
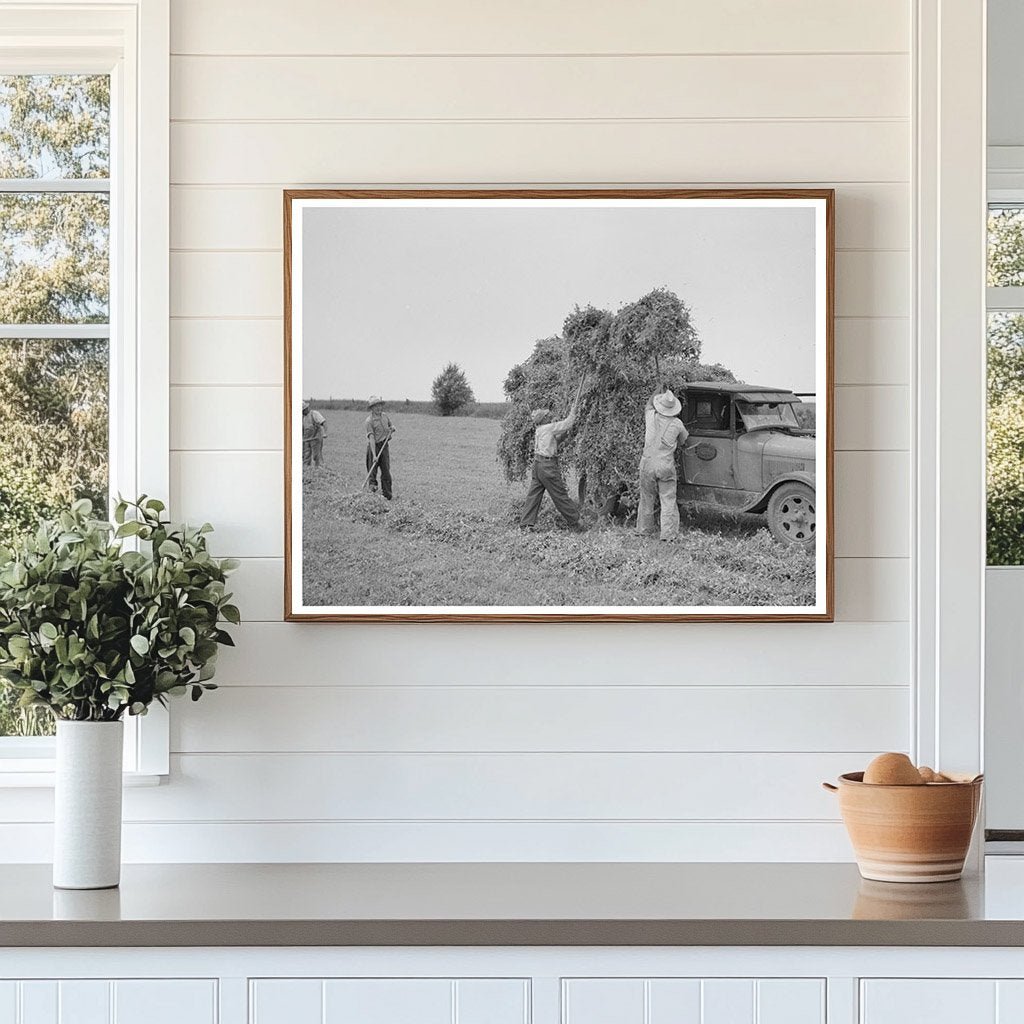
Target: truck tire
791 515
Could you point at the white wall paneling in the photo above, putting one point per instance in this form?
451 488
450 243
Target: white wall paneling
501 786
731 26
857 653
554 151
521 87
872 350
218 217
231 842
242 418
504 742
533 719
226 352
239 492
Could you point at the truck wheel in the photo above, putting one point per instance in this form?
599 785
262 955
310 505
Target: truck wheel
791 515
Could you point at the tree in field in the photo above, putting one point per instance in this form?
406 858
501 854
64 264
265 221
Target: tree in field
451 390
625 356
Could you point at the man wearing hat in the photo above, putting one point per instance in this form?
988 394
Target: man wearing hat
664 431
379 429
547 474
314 430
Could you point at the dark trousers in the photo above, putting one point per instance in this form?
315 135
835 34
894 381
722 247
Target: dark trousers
547 476
383 467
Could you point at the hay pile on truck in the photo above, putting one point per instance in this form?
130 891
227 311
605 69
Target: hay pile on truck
625 357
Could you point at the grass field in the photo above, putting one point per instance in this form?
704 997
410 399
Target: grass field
450 537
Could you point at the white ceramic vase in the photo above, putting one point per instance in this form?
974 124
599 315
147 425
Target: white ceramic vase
87 811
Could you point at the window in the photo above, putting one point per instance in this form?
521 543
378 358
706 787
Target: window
84 123
758 415
1005 478
710 414
54 308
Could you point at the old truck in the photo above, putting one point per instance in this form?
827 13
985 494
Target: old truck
748 452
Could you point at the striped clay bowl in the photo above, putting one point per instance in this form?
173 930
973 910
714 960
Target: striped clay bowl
909 833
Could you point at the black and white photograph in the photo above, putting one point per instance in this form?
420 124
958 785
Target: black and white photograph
559 405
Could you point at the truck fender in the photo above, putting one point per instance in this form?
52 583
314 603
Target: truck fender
761 504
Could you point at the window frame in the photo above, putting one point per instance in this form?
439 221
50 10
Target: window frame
130 41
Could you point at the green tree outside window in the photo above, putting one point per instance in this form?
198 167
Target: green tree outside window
54 271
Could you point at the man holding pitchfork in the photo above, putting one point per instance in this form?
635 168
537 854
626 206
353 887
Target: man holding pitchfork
547 473
379 428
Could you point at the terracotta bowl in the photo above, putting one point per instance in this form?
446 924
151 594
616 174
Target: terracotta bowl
909 833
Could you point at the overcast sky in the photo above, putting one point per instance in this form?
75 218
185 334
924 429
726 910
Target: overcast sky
392 294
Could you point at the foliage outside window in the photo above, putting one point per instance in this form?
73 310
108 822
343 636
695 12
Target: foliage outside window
54 308
1005 486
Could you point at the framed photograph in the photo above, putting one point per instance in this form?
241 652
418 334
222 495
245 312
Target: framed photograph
558 405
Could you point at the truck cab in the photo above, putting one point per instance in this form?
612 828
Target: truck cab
747 451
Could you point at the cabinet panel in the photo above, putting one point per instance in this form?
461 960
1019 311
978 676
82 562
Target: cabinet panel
1010 1002
929 1001
790 1001
727 1001
102 1001
693 1001
165 1002
674 1001
8 1002
39 1002
603 1001
84 1002
388 1001
492 1002
286 1001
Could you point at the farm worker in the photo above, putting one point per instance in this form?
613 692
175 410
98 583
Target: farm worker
547 474
663 433
379 429
314 430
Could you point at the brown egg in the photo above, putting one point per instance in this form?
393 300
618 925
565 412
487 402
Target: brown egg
928 774
892 770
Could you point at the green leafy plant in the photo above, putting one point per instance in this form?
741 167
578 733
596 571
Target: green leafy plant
91 629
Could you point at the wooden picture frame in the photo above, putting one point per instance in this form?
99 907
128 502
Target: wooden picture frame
332 492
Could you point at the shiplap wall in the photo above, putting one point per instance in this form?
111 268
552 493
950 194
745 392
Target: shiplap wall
598 742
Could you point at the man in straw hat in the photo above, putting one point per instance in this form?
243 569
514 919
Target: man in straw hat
379 430
547 474
664 431
314 430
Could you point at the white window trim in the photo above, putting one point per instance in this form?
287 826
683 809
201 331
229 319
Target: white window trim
1004 719
949 450
131 41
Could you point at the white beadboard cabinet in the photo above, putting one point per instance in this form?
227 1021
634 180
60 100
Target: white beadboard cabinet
107 1001
513 985
946 1001
696 1000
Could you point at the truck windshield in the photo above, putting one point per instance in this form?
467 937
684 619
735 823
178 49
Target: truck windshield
765 415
